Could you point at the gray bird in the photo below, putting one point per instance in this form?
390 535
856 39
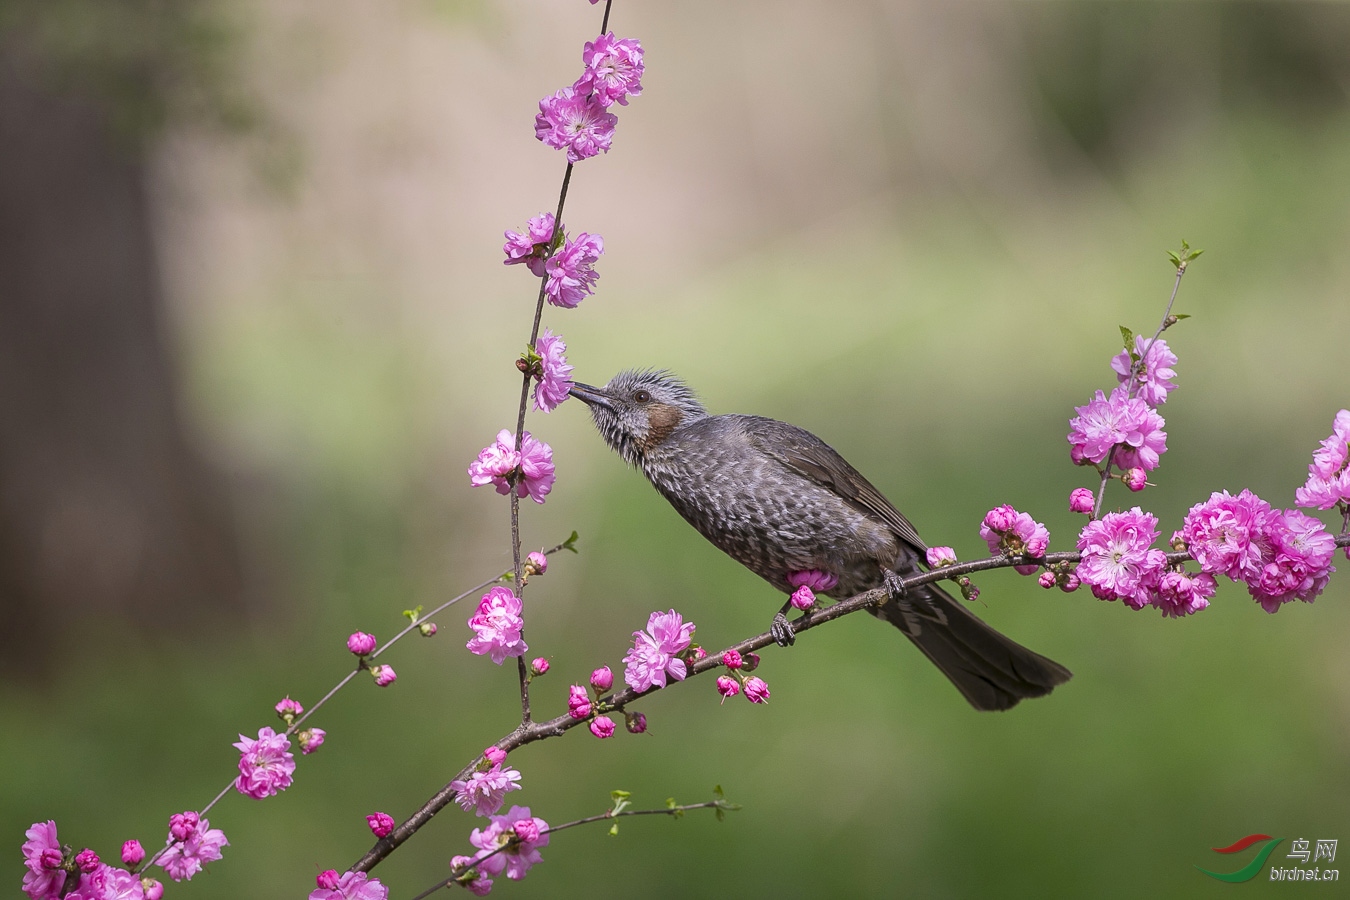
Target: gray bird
779 500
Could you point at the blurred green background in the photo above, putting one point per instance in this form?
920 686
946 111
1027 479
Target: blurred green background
912 228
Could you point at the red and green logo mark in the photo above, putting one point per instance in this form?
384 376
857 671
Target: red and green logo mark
1247 872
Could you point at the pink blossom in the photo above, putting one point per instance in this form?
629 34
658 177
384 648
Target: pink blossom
539 666
756 691
1297 551
311 739
1223 534
495 463
497 626
43 857
732 659
154 890
1328 475
494 755
527 830
351 886
380 823
87 860
578 702
1135 479
327 879
1015 533
1118 563
1047 579
727 687
575 121
1070 583
361 643
571 271
1153 384
814 579
554 373
602 727
384 675
537 561
536 468
100 882
940 556
602 679
653 655
183 825
802 598
635 722
518 858
484 792
480 885
133 853
265 764
530 248
1181 593
613 69
186 856
1118 421
289 708
1081 500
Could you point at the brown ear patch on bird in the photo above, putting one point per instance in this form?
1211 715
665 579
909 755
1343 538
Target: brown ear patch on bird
662 419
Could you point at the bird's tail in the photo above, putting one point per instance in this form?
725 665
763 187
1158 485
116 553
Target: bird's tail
990 670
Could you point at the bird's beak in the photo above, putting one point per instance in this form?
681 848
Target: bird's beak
591 396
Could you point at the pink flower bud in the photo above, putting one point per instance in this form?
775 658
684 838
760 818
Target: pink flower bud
602 679
183 825
380 823
602 727
578 702
698 653
756 691
384 675
1081 501
941 556
87 860
537 561
361 643
1135 479
427 629
1047 580
328 879
311 739
494 755
51 858
1070 584
539 666
732 659
527 830
636 723
1001 518
288 709
803 598
750 663
153 889
132 853
727 687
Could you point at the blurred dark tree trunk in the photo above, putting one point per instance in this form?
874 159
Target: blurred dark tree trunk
107 513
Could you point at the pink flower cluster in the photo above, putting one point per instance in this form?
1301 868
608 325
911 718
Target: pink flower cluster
194 843
1280 555
571 271
655 652
533 466
1152 384
554 373
1015 533
497 626
1328 482
509 844
1126 424
265 764
485 791
1118 562
532 246
348 886
575 118
807 582
756 691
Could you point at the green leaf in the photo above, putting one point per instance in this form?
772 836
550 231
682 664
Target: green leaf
717 792
721 816
1128 337
616 796
570 543
614 830
670 803
1180 316
414 613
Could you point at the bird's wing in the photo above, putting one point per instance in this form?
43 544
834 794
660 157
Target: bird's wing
809 456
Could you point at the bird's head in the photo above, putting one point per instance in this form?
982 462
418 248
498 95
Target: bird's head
639 409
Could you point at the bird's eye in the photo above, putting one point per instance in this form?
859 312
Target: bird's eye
641 396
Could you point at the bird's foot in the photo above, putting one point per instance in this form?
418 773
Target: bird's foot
895 586
781 629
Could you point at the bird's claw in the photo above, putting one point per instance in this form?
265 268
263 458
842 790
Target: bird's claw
781 630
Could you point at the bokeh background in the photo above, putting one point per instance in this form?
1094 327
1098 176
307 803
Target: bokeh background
254 325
